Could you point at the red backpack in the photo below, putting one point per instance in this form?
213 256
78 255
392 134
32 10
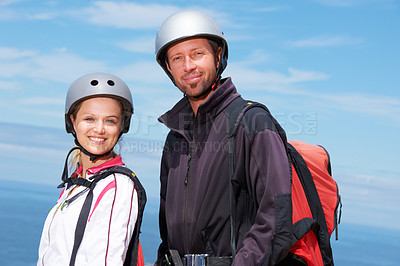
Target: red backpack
315 194
312 183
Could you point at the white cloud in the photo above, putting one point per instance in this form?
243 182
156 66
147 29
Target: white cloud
140 45
326 41
8 86
6 14
269 9
339 3
9 53
13 69
44 15
370 199
63 67
8 2
271 80
370 104
351 3
143 71
281 83
297 75
128 15
41 101
58 66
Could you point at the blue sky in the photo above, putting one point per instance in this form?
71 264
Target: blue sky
327 69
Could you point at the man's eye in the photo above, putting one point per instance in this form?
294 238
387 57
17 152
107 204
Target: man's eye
176 59
198 53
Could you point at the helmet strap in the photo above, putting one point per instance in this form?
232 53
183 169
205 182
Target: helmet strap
64 176
92 157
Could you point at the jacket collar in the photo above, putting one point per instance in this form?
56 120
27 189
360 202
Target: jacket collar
181 115
94 170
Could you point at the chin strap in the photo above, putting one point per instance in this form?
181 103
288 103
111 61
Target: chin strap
64 176
92 157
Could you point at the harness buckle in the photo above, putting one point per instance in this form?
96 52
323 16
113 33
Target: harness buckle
196 259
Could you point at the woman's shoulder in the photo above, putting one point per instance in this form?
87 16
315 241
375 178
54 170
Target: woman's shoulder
122 173
115 174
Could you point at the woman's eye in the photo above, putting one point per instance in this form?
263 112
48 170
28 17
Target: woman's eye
89 119
111 122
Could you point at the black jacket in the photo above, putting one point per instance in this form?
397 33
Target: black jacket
194 204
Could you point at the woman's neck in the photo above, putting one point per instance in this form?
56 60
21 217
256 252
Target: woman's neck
87 163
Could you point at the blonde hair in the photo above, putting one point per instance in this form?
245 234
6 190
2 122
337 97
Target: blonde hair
75 158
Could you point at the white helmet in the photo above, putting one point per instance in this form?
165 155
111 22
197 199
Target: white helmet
98 85
188 24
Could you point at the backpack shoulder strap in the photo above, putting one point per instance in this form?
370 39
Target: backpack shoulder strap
131 255
132 252
235 112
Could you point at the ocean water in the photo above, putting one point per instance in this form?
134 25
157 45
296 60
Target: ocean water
23 210
24 207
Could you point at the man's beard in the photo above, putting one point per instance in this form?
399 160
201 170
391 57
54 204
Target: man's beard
202 93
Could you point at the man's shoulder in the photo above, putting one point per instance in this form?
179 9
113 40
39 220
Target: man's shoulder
257 119
174 141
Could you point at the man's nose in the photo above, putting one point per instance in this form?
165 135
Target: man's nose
189 64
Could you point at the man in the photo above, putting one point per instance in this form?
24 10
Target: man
195 179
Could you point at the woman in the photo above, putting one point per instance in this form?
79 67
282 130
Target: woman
97 218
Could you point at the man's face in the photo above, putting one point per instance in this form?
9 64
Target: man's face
193 65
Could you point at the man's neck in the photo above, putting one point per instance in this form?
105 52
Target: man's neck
196 101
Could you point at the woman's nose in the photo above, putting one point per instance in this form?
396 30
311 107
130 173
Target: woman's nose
99 127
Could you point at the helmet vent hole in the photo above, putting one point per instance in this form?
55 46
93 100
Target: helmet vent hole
94 82
110 82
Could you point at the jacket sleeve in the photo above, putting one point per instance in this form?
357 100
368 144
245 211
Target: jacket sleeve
162 222
111 222
268 181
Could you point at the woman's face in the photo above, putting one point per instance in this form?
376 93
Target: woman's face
98 124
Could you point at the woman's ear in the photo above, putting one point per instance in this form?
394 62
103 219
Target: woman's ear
71 117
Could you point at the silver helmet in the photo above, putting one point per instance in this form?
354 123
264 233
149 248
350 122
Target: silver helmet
188 24
98 85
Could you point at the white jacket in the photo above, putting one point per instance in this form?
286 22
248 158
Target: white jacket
109 227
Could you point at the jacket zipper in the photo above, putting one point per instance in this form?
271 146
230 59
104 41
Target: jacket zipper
187 200
186 214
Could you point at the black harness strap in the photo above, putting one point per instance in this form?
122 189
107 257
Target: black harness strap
233 113
132 252
81 225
